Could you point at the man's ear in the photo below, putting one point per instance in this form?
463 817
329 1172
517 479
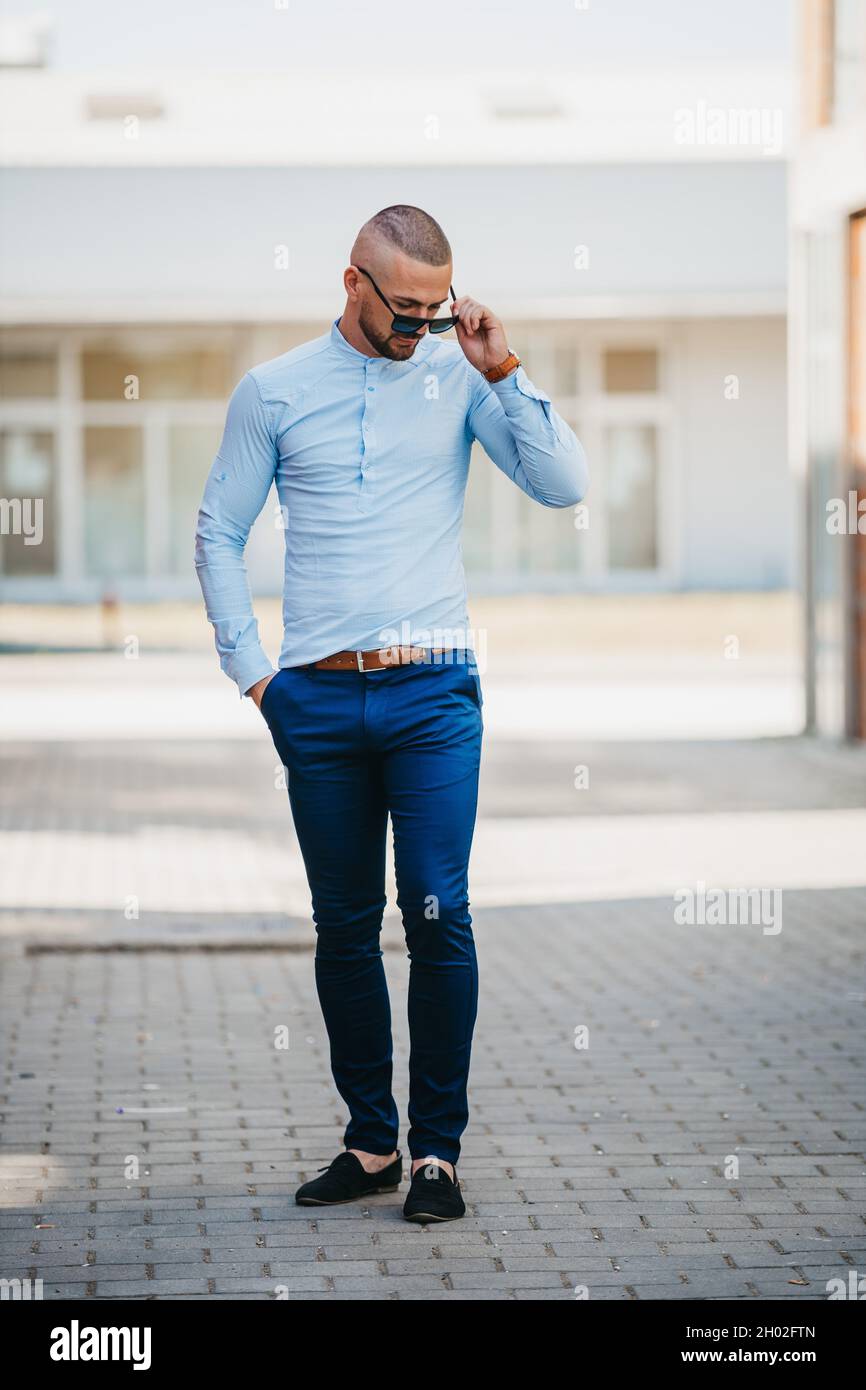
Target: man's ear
352 281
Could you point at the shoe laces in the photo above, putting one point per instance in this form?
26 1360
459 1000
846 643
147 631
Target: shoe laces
341 1160
342 1169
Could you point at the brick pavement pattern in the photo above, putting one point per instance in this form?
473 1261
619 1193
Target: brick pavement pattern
708 1143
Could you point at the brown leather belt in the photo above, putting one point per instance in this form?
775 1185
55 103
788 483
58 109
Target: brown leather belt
375 660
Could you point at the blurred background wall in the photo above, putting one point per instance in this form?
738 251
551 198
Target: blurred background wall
179 199
828 357
177 227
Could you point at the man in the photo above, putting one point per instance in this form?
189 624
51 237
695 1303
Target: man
375 709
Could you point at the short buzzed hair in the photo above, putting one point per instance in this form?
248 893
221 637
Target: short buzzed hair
413 231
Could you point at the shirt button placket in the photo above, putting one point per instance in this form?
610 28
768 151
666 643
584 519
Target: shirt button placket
368 436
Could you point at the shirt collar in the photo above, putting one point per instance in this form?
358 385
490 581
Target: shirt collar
343 346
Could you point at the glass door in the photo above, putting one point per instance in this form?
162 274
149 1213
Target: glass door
28 521
114 517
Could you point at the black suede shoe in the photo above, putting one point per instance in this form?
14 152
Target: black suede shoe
346 1179
433 1196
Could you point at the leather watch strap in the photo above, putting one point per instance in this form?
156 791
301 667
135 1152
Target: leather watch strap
503 369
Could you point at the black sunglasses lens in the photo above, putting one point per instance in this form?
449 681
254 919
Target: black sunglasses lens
412 326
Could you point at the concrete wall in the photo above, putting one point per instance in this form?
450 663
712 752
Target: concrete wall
139 233
738 524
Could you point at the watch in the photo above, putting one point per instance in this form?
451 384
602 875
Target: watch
504 369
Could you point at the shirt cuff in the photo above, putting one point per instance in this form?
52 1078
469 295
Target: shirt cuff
518 383
247 667
507 385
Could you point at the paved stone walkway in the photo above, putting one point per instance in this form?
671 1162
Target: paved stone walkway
201 829
708 1143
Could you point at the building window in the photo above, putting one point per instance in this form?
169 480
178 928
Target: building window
630 369
114 529
610 388
479 530
192 449
136 482
27 375
565 369
27 503
631 482
549 542
114 374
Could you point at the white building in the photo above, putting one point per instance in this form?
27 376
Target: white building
161 237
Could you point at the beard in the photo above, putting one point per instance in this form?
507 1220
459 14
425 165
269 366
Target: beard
386 344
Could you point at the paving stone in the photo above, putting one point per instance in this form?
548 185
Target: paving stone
604 1167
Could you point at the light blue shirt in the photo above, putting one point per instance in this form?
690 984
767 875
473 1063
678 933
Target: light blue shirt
370 459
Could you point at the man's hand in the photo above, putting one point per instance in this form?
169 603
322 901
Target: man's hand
256 691
480 333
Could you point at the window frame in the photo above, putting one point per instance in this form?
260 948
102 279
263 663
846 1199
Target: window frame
592 409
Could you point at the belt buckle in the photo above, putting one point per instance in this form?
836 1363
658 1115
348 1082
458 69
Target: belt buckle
359 657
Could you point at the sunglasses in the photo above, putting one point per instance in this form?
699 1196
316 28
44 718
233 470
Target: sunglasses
403 323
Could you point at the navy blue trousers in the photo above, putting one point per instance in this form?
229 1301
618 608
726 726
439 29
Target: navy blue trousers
357 747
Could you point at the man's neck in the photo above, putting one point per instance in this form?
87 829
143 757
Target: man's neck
354 337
